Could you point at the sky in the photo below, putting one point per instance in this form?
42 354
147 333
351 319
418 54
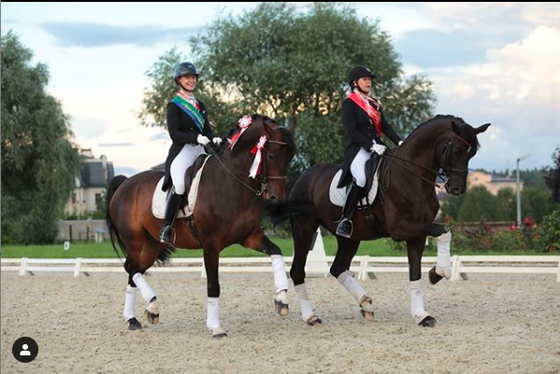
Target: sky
489 62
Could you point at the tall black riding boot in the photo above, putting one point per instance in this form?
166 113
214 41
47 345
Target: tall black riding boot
345 226
173 204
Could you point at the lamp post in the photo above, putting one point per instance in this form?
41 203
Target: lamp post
519 189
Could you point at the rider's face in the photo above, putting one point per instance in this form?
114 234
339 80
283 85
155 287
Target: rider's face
188 81
364 83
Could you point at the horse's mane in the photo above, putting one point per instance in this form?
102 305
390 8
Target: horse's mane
251 136
469 136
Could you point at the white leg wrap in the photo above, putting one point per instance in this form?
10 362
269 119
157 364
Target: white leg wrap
443 266
146 290
417 301
279 269
303 301
213 313
130 303
348 281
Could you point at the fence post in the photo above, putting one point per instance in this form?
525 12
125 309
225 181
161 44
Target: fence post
202 270
362 275
78 266
455 268
23 267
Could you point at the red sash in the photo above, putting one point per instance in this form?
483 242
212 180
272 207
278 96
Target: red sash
369 109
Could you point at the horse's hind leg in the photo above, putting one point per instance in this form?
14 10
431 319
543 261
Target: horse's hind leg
303 229
340 269
260 242
136 264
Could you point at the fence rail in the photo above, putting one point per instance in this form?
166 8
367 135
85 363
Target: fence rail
364 266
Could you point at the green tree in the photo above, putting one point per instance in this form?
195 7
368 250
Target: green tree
536 203
451 206
553 177
39 162
289 63
507 201
479 205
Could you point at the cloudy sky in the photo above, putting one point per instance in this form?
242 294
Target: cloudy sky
490 62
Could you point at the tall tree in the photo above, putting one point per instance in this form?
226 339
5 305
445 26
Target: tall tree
39 162
553 177
285 62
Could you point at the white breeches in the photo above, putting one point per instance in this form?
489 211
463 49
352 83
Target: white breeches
181 163
358 167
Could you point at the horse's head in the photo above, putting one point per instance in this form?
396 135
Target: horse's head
461 144
272 148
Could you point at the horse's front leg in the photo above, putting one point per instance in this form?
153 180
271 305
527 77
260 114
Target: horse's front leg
443 265
211 263
260 242
415 250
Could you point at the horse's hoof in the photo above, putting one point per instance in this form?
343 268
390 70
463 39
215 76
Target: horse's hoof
429 321
434 277
133 324
367 315
153 318
314 321
218 332
281 308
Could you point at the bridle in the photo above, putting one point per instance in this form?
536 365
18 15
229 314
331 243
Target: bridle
444 166
263 178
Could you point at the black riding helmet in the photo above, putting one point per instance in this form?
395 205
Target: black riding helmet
184 68
359 72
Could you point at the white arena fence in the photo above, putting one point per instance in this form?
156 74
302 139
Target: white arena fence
364 266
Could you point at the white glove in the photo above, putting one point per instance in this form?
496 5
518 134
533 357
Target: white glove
217 140
203 140
400 143
379 149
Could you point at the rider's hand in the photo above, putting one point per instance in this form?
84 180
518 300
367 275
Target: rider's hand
379 149
216 140
202 140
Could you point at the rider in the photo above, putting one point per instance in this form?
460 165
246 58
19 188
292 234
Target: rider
188 126
365 123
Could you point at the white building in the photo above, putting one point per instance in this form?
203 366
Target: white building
91 184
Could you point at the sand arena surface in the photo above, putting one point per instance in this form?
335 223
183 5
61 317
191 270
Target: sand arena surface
488 324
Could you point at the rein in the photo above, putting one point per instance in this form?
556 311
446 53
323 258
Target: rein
263 179
445 168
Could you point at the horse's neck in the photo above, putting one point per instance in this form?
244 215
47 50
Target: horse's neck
421 150
240 166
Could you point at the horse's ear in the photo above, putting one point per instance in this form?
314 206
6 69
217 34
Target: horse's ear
456 128
482 128
292 126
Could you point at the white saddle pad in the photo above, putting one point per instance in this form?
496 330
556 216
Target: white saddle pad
160 197
337 196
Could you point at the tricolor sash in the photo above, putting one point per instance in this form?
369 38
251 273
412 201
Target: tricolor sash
190 111
372 113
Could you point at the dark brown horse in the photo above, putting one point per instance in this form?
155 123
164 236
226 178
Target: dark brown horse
228 210
404 209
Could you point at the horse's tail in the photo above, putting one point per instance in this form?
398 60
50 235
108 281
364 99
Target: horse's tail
113 232
288 210
296 205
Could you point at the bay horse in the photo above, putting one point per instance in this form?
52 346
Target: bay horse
405 209
229 210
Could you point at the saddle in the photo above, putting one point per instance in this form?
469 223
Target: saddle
337 196
192 180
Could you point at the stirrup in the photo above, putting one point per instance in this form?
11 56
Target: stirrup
339 231
172 235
